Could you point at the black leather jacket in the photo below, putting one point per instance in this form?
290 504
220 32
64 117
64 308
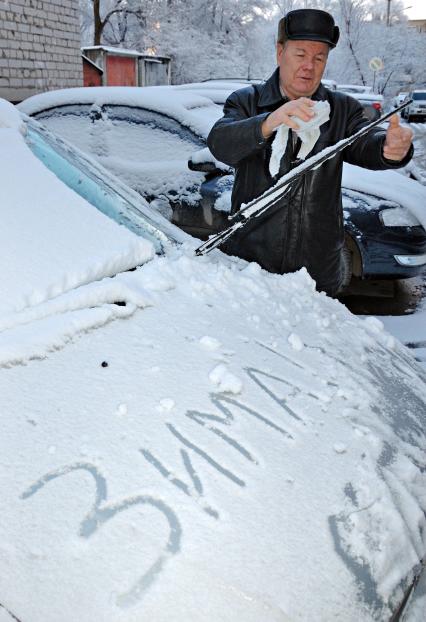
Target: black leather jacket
306 227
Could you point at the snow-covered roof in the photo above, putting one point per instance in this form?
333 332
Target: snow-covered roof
123 52
355 87
236 437
112 50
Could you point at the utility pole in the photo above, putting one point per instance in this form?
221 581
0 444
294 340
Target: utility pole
388 14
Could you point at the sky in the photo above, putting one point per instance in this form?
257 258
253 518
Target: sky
417 9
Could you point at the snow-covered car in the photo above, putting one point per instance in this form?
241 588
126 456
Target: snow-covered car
372 103
354 88
399 99
189 438
146 137
416 111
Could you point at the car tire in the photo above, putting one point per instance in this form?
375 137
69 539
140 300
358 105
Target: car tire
347 267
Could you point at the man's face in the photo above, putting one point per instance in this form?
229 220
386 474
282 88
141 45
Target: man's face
302 65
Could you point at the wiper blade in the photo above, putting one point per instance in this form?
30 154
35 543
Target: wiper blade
268 199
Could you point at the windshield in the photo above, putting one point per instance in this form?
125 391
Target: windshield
419 95
105 192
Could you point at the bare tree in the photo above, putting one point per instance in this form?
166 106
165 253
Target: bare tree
121 10
353 14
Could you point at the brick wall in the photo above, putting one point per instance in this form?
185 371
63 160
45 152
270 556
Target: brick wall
39 47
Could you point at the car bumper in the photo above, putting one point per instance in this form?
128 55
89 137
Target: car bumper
411 261
391 253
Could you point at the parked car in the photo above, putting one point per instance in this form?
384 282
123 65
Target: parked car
399 99
417 109
354 88
188 438
372 103
146 137
329 84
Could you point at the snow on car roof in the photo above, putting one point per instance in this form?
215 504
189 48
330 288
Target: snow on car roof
191 109
239 437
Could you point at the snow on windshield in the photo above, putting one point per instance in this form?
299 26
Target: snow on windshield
51 240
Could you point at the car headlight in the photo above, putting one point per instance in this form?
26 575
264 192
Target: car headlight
398 217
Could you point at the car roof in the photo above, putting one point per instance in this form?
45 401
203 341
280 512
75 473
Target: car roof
191 109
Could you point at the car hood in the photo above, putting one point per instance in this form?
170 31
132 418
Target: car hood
238 441
233 439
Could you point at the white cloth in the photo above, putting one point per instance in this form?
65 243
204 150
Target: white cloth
308 133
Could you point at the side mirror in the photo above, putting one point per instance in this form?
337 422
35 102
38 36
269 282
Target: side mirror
204 162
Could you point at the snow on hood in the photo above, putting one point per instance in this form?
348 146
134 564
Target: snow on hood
9 116
389 185
244 437
191 109
247 437
51 240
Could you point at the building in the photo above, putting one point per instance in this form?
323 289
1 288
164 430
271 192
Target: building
39 47
113 66
418 24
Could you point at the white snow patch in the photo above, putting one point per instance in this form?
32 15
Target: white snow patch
296 342
225 381
210 343
122 410
166 404
340 448
9 117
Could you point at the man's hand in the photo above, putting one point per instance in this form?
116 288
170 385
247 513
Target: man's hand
283 115
398 140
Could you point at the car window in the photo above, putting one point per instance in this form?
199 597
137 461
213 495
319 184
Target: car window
419 95
94 184
147 150
152 120
150 152
75 123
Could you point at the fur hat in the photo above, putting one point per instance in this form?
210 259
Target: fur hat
308 25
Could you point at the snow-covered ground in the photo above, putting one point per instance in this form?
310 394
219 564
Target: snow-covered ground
196 439
410 330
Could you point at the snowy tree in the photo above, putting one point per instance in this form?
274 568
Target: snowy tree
236 38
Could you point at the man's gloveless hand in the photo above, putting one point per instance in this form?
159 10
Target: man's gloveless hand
283 115
398 140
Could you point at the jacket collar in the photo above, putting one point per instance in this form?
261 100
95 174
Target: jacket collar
270 93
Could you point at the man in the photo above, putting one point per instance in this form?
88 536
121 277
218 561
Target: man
306 227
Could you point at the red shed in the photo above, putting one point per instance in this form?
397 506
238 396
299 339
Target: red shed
109 66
